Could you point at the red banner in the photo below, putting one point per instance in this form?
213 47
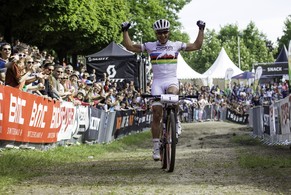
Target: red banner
28 118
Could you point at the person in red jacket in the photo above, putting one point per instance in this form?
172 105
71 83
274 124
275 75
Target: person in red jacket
80 100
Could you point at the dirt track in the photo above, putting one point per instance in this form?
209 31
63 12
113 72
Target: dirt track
207 163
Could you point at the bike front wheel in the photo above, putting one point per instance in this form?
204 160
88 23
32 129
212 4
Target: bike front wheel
170 144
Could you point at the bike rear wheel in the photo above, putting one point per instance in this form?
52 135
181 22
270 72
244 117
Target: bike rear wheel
169 149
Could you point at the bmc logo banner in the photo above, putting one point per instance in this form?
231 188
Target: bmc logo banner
28 118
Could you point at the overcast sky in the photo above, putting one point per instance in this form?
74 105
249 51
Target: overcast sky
268 15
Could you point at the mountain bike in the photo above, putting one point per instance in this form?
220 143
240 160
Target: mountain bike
169 135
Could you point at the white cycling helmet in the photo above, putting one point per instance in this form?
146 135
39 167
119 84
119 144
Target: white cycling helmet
161 25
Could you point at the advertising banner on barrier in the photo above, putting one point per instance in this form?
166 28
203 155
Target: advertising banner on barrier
284 115
235 117
28 118
91 134
117 125
69 122
83 115
140 119
124 122
130 120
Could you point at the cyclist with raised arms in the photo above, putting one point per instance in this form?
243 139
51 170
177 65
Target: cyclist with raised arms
163 54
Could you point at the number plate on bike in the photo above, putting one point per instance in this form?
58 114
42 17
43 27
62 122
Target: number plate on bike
169 98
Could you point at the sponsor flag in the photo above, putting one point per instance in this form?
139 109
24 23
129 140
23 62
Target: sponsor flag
228 75
258 75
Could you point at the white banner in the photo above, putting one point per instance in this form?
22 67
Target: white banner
83 118
69 122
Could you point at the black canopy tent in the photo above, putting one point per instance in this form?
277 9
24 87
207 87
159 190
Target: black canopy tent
120 65
277 69
283 55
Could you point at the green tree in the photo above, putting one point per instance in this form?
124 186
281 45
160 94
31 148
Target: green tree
84 26
201 60
284 40
231 40
252 46
249 43
68 26
143 13
256 43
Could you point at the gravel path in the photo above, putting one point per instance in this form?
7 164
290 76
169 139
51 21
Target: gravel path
206 163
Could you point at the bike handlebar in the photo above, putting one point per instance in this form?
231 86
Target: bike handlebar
159 96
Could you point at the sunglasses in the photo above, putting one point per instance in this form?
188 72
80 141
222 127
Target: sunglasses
6 49
30 62
162 32
64 78
22 55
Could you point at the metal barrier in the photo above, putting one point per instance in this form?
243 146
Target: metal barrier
271 123
58 123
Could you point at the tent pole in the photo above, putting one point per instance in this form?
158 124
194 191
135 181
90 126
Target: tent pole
238 49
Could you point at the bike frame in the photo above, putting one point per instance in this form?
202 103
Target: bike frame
168 135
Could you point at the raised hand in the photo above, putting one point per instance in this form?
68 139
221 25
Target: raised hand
125 26
200 24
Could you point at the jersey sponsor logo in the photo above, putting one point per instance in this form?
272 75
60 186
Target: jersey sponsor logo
166 47
167 55
164 52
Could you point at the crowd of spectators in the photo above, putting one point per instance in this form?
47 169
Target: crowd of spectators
238 97
25 67
28 69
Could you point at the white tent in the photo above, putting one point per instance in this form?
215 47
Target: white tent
219 67
184 71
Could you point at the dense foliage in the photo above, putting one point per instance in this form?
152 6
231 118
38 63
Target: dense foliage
284 40
71 27
250 43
